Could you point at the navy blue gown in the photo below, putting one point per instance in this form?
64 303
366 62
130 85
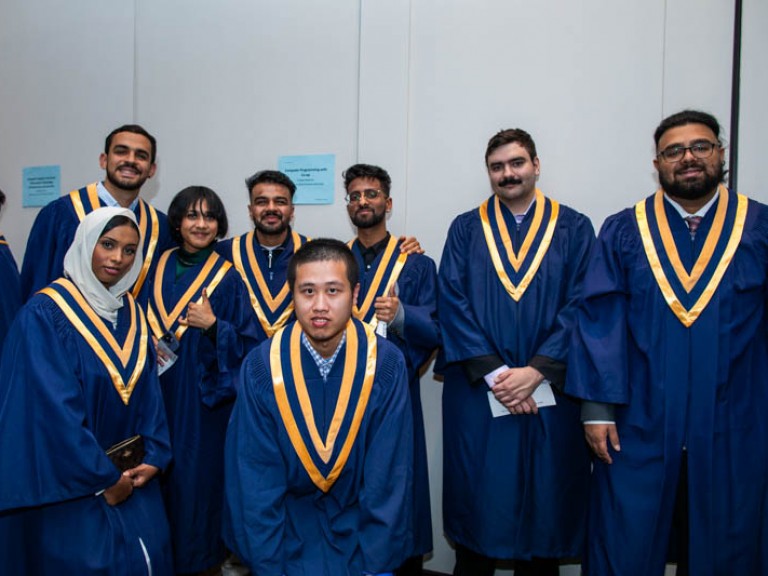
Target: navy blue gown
514 486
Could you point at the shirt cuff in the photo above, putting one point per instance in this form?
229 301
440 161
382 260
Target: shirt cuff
597 413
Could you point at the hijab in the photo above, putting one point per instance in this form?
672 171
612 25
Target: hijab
78 264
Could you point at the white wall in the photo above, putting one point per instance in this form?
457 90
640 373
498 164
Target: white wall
417 86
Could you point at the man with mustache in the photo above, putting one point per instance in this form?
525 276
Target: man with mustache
129 161
262 255
670 353
397 297
515 469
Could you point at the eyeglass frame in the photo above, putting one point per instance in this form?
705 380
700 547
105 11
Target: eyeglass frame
369 193
663 153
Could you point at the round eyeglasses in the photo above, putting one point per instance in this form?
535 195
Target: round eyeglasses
699 150
369 193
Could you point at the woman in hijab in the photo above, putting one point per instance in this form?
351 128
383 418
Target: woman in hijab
200 313
77 377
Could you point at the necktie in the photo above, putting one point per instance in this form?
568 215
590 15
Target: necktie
693 224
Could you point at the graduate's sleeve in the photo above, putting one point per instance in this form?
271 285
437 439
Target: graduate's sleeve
385 530
10 291
255 474
47 452
418 297
152 421
463 337
598 356
48 242
551 356
237 333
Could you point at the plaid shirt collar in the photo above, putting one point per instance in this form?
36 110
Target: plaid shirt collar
324 365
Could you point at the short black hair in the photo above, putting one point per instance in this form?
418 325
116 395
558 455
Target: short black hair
2 198
687 117
270 177
508 136
324 250
367 171
190 197
133 129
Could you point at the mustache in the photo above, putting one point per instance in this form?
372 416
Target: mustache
268 214
510 181
128 165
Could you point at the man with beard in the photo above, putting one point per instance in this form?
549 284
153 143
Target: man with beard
670 353
262 255
129 161
398 298
515 468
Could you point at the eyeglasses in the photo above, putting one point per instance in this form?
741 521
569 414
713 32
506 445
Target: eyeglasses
369 193
699 150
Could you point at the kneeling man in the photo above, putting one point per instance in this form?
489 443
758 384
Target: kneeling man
319 448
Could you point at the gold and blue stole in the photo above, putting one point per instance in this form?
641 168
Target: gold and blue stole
323 458
86 200
387 272
272 310
688 293
516 270
161 318
124 362
3 241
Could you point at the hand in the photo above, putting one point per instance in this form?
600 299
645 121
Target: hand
514 387
410 245
199 315
527 406
120 491
140 475
597 434
386 306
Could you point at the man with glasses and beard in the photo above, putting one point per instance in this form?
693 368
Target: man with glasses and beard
398 298
515 468
129 161
671 356
262 255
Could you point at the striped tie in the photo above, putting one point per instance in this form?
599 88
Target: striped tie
693 224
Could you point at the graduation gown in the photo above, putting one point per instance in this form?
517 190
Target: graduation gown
514 486
10 289
196 399
334 505
684 369
416 287
54 229
267 286
59 411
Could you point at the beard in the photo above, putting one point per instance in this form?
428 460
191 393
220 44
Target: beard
114 178
273 229
368 221
695 188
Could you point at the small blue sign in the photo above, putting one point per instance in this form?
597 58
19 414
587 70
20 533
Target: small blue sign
314 176
40 185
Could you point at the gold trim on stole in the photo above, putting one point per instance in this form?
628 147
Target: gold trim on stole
516 260
688 317
77 202
324 449
149 253
123 353
362 311
169 320
272 302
